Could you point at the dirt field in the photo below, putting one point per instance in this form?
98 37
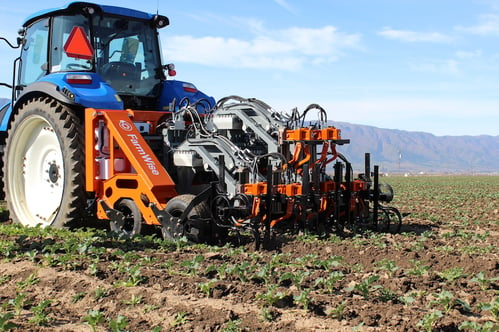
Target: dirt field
441 273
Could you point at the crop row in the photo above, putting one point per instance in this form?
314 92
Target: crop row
311 281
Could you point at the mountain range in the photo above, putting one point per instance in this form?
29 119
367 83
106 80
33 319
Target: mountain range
399 151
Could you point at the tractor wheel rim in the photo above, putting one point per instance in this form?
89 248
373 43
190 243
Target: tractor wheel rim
39 181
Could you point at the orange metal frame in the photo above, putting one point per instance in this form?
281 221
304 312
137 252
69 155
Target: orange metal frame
130 168
307 134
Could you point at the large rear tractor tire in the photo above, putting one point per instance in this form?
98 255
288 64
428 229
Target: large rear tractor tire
44 165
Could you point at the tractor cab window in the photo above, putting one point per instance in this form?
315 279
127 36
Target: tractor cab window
61 31
34 53
127 55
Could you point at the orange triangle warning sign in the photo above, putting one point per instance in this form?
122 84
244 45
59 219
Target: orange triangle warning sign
78 46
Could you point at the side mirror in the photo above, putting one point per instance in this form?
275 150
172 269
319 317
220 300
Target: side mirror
19 42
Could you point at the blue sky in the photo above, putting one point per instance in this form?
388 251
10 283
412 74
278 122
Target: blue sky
416 65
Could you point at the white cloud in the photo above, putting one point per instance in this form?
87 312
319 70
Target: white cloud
487 25
287 49
469 54
284 4
414 36
449 66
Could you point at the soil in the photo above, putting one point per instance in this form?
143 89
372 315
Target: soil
440 273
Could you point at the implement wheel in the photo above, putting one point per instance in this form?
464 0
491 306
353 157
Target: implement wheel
389 220
43 165
195 232
130 223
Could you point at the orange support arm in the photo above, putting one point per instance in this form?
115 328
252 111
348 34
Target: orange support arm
306 159
127 168
289 212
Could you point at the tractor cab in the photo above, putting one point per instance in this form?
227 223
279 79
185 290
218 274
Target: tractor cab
94 51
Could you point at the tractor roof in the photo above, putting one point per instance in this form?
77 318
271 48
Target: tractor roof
78 6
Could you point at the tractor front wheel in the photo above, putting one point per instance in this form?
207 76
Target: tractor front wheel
43 165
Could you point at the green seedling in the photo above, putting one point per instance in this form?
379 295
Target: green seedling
40 315
5 278
484 282
94 318
330 263
303 298
193 265
388 265
386 295
474 326
338 312
150 308
242 271
271 297
267 314
407 300
5 323
366 287
8 249
207 287
32 255
19 302
31 280
135 277
134 300
429 320
78 296
180 319
452 274
232 326
492 307
92 268
119 324
447 300
295 278
100 293
330 281
265 273
307 260
418 268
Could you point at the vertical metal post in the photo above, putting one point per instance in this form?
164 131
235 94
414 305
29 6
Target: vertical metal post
221 174
376 196
367 166
338 170
268 203
348 194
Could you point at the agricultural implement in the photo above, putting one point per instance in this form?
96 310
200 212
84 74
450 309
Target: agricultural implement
95 128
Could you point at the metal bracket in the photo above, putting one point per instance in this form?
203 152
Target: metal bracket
115 216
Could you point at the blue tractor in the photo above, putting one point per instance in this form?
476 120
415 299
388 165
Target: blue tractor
81 56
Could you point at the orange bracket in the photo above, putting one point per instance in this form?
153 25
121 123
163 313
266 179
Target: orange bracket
305 160
289 212
120 164
335 155
296 155
323 157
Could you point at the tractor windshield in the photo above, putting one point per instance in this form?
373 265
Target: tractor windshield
126 52
127 55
